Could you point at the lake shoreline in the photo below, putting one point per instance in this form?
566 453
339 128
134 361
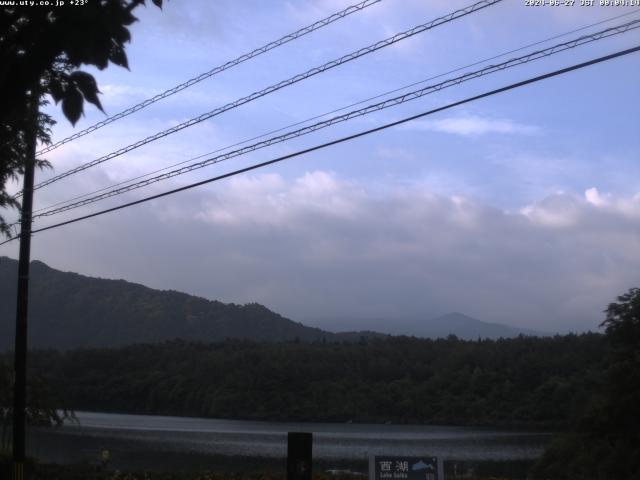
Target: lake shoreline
140 443
541 427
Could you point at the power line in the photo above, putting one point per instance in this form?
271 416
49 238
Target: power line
315 117
347 138
285 83
214 71
356 113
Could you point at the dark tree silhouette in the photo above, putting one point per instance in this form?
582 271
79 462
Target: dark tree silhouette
605 443
623 378
523 381
44 407
42 49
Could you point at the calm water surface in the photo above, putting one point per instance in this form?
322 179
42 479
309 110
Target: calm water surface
143 441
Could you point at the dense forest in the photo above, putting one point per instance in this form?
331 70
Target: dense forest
585 386
603 441
524 381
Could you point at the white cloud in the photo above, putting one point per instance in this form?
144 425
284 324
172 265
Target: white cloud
124 95
559 210
396 153
319 245
595 198
327 246
473 125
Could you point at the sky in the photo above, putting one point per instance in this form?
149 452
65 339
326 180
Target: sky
521 208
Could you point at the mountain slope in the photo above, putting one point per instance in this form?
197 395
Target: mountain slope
68 310
458 324
465 327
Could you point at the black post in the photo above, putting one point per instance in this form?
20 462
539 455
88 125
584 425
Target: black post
299 447
20 359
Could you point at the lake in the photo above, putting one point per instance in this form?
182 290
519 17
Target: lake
148 442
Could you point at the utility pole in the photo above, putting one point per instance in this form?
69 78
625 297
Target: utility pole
20 351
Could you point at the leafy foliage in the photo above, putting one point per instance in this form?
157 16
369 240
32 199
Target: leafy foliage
605 443
522 381
41 49
13 155
44 406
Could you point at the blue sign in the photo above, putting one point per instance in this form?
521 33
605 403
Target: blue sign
405 468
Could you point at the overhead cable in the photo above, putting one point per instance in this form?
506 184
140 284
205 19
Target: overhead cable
315 117
353 114
285 83
214 71
512 86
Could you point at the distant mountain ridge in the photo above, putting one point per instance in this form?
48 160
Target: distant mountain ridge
455 323
68 310
466 327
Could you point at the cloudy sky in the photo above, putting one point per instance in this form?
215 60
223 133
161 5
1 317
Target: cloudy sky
522 208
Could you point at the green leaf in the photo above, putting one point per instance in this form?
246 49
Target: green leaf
118 56
72 105
88 86
56 90
122 35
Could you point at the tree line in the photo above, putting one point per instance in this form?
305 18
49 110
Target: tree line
540 382
585 386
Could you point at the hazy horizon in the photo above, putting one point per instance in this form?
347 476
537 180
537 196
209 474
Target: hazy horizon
396 324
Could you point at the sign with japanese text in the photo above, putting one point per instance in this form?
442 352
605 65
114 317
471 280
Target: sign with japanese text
405 468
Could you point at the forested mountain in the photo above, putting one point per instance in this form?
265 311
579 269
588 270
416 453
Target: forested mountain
522 381
68 310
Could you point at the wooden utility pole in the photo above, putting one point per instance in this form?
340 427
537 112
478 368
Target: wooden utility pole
20 351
